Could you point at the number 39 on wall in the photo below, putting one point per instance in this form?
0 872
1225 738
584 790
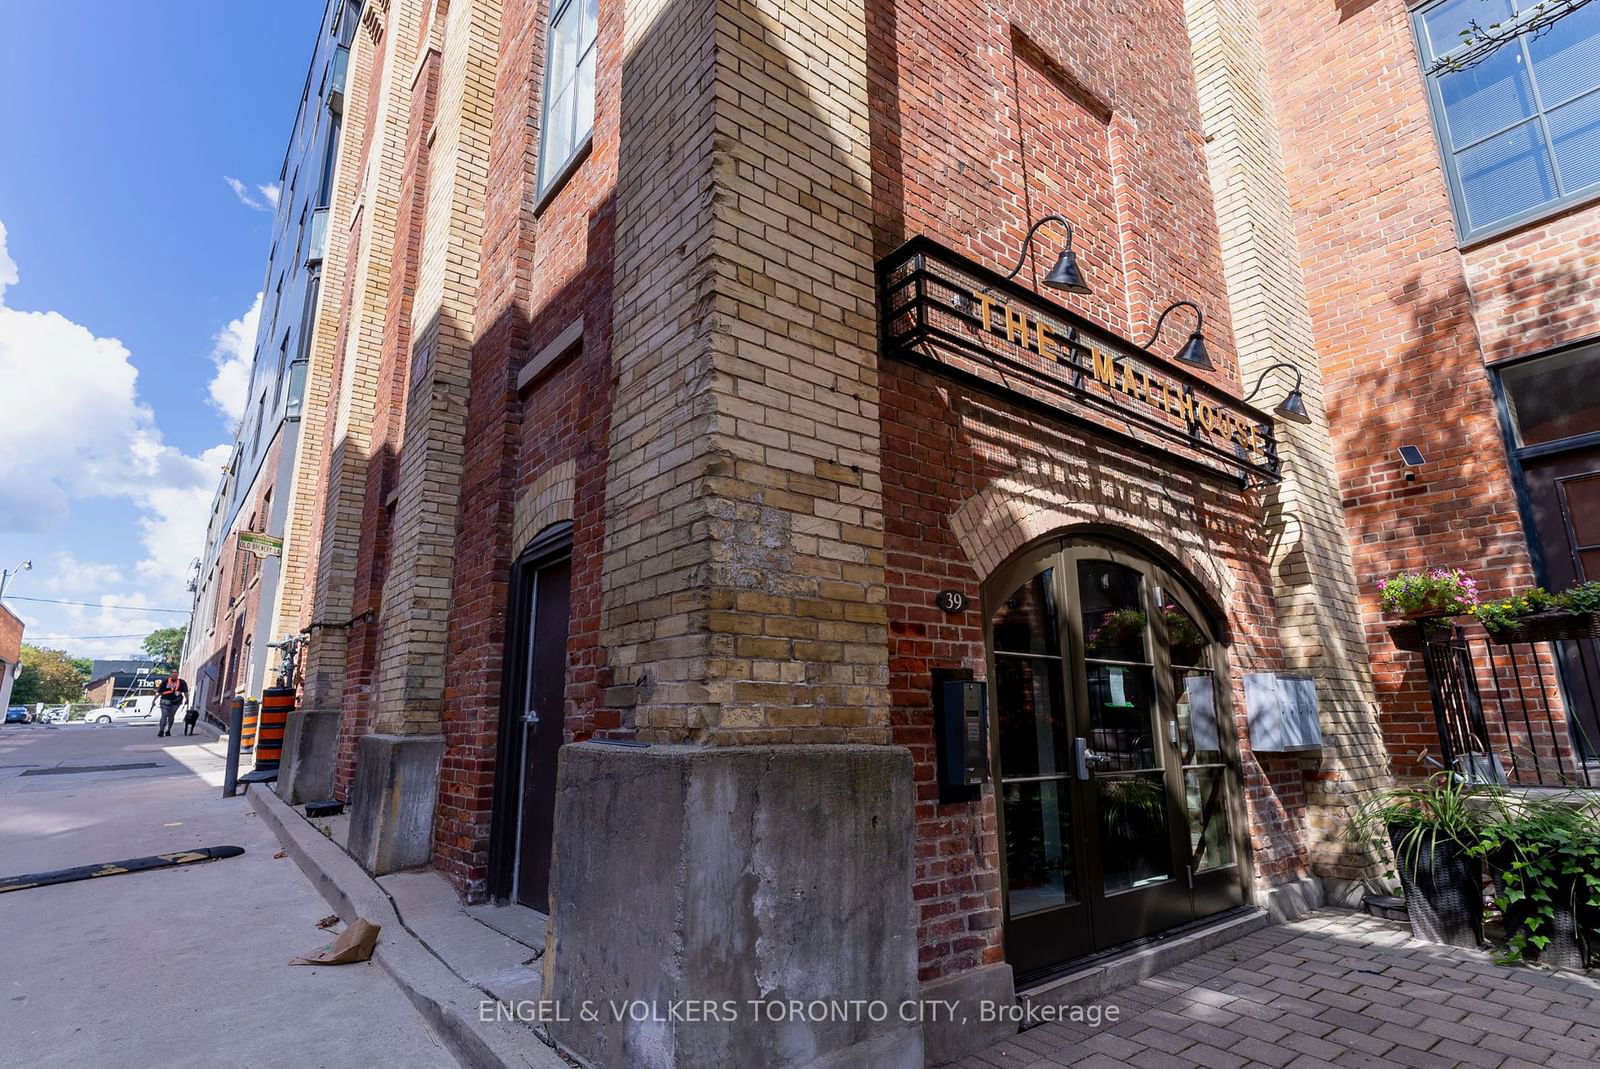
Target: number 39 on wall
951 601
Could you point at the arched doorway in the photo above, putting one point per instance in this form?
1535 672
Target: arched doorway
1113 761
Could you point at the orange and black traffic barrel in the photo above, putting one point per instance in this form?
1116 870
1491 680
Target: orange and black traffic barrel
247 733
276 704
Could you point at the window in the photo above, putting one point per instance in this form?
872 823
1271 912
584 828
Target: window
1550 398
568 87
1519 125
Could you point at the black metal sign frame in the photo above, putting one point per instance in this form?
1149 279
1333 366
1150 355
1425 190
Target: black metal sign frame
941 309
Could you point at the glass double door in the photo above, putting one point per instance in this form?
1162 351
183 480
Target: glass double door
1113 789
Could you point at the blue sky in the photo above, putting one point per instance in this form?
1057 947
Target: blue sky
128 267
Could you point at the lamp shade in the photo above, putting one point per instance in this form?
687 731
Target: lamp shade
1194 352
1065 274
1293 408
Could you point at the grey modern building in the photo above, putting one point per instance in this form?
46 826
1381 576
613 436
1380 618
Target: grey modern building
242 603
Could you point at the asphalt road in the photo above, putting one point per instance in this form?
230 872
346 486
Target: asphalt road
181 966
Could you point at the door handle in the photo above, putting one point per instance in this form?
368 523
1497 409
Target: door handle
530 718
1084 757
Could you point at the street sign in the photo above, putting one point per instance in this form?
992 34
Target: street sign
262 545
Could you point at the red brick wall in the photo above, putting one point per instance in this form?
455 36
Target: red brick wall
538 275
10 637
1090 112
1394 307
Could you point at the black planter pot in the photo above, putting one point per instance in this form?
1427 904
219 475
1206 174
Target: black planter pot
1568 948
1443 887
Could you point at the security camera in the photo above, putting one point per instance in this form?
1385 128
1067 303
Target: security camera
1411 457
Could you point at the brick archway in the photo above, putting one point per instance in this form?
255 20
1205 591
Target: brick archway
1020 508
546 500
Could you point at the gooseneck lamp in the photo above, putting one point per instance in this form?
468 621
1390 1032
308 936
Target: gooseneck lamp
1293 405
1065 274
1193 352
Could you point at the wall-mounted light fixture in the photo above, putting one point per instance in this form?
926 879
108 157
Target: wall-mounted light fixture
1293 405
1065 274
1193 352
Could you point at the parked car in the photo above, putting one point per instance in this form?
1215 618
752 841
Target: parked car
54 714
18 714
128 712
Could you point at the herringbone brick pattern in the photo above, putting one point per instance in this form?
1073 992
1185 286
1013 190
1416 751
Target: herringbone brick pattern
1335 990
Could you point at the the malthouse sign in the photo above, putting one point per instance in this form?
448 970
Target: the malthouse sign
942 309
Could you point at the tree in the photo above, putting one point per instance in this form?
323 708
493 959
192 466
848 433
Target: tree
165 646
49 676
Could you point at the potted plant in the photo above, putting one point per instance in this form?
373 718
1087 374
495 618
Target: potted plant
1539 616
1434 834
1422 599
1544 855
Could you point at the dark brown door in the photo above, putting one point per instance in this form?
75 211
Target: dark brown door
1115 795
1564 501
542 724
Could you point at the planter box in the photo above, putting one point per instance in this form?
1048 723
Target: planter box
1568 948
1409 635
1552 626
1443 888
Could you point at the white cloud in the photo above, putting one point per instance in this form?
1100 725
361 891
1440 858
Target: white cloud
66 574
8 266
270 192
243 193
232 350
83 433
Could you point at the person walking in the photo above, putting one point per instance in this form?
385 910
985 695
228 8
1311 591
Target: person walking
173 693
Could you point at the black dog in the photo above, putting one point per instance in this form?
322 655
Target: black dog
190 717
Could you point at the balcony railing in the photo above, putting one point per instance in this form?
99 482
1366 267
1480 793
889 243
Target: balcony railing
336 78
1525 713
319 237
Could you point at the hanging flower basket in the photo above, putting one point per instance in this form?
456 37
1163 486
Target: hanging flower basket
1552 626
1429 595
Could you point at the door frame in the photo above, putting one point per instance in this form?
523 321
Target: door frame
505 812
1067 547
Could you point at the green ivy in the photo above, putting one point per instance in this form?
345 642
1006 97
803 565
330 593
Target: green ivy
1545 849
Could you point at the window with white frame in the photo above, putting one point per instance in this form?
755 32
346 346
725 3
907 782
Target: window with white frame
568 86
1515 87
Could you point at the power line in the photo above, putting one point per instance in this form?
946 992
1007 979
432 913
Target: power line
99 605
75 638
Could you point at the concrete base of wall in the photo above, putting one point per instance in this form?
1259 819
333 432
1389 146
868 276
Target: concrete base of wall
947 1037
742 876
391 801
310 742
1345 894
1291 901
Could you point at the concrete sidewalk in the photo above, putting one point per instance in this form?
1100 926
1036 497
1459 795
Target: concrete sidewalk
174 967
449 960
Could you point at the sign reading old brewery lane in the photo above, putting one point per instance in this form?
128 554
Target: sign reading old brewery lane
941 308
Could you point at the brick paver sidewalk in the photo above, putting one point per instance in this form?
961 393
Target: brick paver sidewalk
1336 989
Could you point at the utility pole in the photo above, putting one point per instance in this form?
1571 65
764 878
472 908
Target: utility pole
25 566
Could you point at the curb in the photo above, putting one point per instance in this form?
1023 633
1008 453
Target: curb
448 1003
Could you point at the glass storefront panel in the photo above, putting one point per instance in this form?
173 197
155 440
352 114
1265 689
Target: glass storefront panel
1135 849
1122 727
1205 796
1026 623
1034 739
1114 623
1199 738
1039 868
